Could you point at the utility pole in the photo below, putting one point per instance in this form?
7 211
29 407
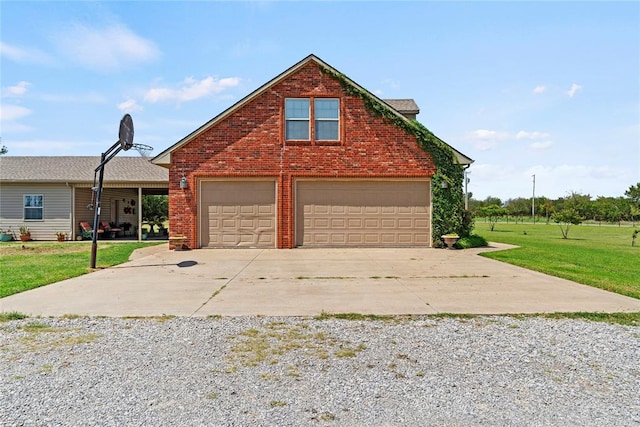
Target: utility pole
533 200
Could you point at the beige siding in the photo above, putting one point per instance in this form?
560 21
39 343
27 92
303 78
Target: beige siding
56 213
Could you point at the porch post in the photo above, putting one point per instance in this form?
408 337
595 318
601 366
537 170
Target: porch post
139 214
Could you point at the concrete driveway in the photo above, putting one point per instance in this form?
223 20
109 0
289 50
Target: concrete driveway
303 282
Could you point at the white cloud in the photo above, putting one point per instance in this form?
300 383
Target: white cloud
488 135
485 145
129 105
191 89
16 91
84 98
13 112
23 55
531 135
485 140
105 49
540 89
393 84
48 147
574 88
10 116
541 145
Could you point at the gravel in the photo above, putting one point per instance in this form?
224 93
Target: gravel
265 371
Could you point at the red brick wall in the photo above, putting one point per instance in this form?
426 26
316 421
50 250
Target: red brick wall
250 143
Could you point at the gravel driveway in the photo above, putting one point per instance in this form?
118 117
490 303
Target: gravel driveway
269 371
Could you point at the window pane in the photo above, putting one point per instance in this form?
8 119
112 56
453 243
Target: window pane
326 108
296 108
32 213
33 201
327 130
297 129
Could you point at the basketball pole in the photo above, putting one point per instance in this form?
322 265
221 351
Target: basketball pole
96 217
125 141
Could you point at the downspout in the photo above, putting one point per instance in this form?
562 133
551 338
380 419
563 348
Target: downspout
73 210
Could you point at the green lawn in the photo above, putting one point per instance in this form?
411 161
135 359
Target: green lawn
43 263
600 256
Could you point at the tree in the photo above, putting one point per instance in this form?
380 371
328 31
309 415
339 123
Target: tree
581 203
634 194
519 208
3 150
155 209
565 219
546 206
493 213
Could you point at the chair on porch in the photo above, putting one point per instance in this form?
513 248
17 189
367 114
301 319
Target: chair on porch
86 231
113 231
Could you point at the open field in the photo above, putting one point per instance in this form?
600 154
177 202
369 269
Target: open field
600 256
25 266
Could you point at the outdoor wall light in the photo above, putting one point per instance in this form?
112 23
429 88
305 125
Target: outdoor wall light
183 182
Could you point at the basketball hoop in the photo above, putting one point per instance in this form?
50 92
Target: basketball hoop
143 149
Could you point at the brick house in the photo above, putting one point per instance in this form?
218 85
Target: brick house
302 162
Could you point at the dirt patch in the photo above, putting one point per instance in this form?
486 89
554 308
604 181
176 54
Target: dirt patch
45 248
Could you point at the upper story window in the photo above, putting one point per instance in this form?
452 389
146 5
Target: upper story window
33 206
296 112
326 119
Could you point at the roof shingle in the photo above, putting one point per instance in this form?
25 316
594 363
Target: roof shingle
404 106
79 169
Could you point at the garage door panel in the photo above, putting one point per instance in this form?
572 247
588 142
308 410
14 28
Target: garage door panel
237 213
368 213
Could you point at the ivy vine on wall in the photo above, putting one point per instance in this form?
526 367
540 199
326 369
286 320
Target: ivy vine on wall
447 203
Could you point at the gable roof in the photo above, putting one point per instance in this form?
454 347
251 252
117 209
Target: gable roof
79 170
164 158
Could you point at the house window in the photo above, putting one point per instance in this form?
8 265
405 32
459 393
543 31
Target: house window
296 112
326 119
33 206
326 116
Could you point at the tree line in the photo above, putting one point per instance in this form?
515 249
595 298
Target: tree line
601 209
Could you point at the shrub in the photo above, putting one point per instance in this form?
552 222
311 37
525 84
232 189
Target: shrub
472 241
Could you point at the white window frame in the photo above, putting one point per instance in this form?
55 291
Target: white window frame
323 119
25 207
299 119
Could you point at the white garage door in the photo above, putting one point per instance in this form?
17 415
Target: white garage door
363 213
238 214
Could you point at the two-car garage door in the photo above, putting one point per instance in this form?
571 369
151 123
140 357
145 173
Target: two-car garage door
363 213
327 213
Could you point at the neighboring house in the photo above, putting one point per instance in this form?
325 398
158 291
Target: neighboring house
302 161
54 194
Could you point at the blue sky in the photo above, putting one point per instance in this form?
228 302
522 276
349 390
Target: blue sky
523 88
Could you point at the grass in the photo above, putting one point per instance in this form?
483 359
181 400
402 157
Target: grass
599 256
25 266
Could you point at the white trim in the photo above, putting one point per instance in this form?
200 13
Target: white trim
322 119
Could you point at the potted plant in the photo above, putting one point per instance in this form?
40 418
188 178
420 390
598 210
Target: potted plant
6 235
450 240
25 234
61 236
